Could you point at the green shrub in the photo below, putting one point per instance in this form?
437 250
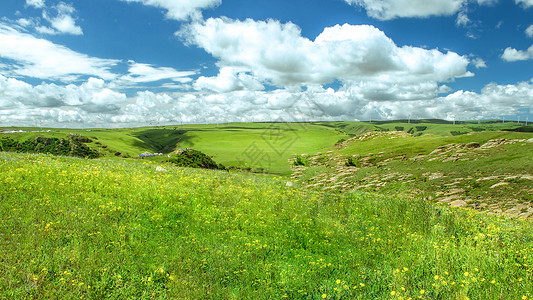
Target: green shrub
72 146
352 162
340 141
194 159
301 161
455 133
398 128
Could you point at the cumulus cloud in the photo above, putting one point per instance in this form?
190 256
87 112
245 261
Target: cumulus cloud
277 54
181 10
512 55
529 31
43 59
525 3
93 103
91 97
35 3
228 80
391 9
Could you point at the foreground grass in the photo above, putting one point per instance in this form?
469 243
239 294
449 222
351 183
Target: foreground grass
73 228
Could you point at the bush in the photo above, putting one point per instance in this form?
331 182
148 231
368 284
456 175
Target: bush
398 128
301 161
68 147
340 141
455 133
352 162
194 159
421 128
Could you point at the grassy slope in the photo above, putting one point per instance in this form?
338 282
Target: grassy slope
257 145
260 145
72 228
504 161
412 146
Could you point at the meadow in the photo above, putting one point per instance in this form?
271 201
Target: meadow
440 168
135 229
259 147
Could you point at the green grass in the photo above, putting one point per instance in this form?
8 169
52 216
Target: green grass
436 127
412 146
259 146
411 175
119 229
263 147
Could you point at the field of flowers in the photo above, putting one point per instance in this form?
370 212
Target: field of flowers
92 229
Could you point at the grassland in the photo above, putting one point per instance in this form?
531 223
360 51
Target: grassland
259 146
493 178
121 229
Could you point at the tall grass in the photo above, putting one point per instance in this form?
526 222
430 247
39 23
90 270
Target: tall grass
72 228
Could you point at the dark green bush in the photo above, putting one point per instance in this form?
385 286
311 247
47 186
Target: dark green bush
194 159
455 133
352 162
68 147
340 141
301 161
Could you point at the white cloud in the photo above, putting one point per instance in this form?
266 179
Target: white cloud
391 9
93 103
525 3
25 22
91 97
462 19
35 3
511 54
479 63
63 22
43 59
275 53
487 2
46 30
181 9
229 80
529 31
142 73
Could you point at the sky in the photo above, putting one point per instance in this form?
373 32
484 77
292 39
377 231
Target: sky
127 63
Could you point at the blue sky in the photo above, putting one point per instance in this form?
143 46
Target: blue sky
114 63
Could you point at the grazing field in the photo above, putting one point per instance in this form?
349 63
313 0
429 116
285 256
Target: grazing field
489 171
125 229
262 147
